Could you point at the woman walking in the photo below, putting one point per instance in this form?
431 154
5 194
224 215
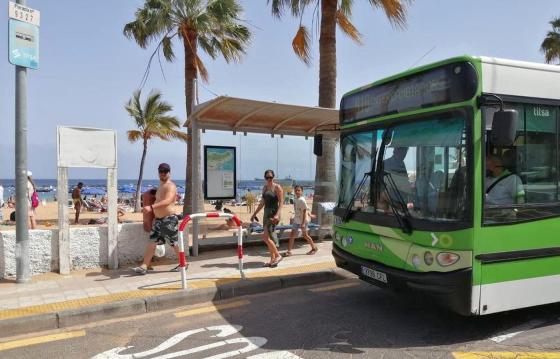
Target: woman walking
272 196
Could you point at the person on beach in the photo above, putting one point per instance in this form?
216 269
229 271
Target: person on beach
272 196
30 193
166 223
1 202
250 199
77 201
300 222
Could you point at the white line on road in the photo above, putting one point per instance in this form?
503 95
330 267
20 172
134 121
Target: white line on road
275 355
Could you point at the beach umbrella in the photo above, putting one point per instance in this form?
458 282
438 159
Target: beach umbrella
127 189
90 191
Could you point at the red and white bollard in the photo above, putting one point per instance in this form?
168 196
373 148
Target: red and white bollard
185 224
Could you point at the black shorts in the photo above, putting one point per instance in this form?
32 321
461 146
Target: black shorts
165 229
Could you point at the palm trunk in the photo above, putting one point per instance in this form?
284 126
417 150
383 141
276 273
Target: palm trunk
325 172
190 44
140 175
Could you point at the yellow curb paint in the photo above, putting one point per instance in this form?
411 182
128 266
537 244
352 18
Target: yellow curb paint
333 287
212 308
40 340
152 292
506 355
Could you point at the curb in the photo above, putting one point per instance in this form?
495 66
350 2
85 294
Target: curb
130 307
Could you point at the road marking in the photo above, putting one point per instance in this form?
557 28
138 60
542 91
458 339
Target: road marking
251 343
501 338
507 355
212 308
40 340
275 355
333 287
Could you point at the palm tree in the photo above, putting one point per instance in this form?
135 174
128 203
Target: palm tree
152 122
551 43
331 14
211 25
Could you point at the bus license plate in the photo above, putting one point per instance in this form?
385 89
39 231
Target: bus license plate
373 274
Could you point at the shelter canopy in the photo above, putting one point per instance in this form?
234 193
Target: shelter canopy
244 115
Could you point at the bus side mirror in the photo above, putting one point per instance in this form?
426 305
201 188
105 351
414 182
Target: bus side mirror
318 145
504 127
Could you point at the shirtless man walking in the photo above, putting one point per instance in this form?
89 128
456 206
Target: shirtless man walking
165 226
77 201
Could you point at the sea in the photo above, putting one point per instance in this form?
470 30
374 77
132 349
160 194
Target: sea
46 188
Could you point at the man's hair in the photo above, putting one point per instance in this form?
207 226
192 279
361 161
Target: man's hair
269 171
80 184
298 186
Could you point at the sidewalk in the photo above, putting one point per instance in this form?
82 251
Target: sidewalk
51 293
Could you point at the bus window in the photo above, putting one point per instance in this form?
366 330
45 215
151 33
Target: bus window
359 151
425 161
522 180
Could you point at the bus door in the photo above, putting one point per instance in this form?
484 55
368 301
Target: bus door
518 249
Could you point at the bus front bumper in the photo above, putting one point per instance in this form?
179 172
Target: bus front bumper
450 289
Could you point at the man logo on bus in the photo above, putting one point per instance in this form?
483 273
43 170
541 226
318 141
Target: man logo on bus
375 246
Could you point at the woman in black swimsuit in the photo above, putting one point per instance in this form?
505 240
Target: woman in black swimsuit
272 195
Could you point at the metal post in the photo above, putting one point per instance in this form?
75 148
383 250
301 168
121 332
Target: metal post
196 182
23 269
64 259
240 251
112 223
182 260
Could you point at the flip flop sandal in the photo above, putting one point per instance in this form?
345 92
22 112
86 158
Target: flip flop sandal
313 251
275 263
265 265
286 254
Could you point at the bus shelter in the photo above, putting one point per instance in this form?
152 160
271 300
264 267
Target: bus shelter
251 116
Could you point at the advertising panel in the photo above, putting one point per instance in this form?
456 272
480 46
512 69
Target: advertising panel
219 172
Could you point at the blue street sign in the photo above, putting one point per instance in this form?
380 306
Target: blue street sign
24 44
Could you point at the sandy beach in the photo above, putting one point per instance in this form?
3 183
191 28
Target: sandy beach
46 215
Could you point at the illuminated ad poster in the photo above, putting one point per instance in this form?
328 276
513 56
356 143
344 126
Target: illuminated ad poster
219 172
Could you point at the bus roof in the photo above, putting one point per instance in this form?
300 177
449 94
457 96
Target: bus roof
500 76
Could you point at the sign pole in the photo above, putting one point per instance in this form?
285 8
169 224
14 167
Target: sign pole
23 269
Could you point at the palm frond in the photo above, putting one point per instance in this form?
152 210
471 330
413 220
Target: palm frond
395 10
551 44
201 69
152 117
346 7
300 44
296 7
347 27
134 135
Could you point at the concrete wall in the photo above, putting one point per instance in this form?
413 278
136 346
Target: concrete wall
88 248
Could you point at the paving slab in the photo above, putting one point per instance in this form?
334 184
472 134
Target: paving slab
89 295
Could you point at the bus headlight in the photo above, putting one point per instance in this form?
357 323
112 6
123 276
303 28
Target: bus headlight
337 236
446 259
428 258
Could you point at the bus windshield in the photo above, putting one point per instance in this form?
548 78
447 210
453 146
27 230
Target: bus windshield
417 168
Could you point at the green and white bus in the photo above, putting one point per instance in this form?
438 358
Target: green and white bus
450 184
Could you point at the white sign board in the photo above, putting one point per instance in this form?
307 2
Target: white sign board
24 13
86 147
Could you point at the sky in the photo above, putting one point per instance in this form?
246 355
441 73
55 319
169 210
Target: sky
89 70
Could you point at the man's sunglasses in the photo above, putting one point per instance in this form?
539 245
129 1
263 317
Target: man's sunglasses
163 171
268 177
